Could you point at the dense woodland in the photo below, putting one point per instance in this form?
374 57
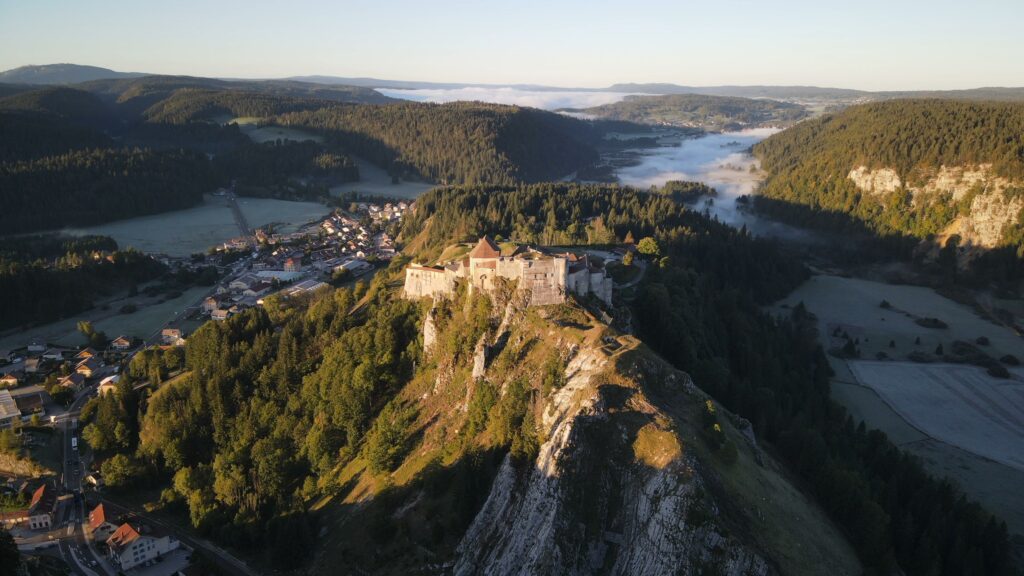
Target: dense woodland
192 104
112 149
273 168
458 142
90 186
717 113
44 278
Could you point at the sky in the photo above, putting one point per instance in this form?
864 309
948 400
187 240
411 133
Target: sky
865 44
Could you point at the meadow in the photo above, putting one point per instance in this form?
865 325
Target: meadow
185 232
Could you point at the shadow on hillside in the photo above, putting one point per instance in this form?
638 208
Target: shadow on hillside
849 241
411 526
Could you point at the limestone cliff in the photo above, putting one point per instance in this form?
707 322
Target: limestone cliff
985 207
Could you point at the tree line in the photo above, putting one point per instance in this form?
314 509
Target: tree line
48 277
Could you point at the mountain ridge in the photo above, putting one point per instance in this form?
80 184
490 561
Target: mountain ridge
69 74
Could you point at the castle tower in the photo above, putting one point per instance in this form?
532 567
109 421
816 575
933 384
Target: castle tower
483 264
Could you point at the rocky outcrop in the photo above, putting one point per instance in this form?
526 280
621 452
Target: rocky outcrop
480 358
429 331
879 181
990 213
989 210
578 509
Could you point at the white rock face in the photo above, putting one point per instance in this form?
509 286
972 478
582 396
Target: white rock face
576 511
480 358
879 181
429 332
989 213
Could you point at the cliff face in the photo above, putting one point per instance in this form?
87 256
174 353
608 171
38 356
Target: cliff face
627 475
574 511
986 210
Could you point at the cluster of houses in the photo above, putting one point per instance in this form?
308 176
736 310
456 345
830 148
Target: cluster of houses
129 543
387 213
347 238
300 262
88 365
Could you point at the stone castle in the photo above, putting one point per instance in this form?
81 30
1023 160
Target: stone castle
549 276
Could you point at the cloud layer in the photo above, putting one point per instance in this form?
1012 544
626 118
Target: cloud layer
545 100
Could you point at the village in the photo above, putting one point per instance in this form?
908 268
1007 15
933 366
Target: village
44 386
342 247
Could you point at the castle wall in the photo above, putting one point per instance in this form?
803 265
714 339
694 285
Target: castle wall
545 279
420 282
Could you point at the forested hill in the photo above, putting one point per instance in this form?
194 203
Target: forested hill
921 168
459 142
287 413
714 113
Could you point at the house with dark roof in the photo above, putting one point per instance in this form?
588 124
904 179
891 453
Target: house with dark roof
88 367
86 352
30 404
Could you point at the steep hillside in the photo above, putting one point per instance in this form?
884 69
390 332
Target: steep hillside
915 167
459 142
616 465
714 113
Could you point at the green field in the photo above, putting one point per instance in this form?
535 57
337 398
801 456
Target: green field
249 127
374 181
147 320
185 232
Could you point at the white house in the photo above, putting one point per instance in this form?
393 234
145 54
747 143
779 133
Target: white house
133 545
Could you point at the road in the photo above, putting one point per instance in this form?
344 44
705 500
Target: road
240 221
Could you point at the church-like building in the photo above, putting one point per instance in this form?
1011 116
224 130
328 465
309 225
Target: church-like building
549 276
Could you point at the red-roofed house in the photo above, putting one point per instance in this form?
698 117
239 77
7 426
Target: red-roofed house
99 527
42 507
131 545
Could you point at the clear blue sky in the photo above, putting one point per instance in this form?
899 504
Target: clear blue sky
868 44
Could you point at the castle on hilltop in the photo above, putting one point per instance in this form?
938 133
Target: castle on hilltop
549 276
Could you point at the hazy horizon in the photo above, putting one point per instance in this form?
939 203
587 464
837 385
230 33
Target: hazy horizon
875 45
